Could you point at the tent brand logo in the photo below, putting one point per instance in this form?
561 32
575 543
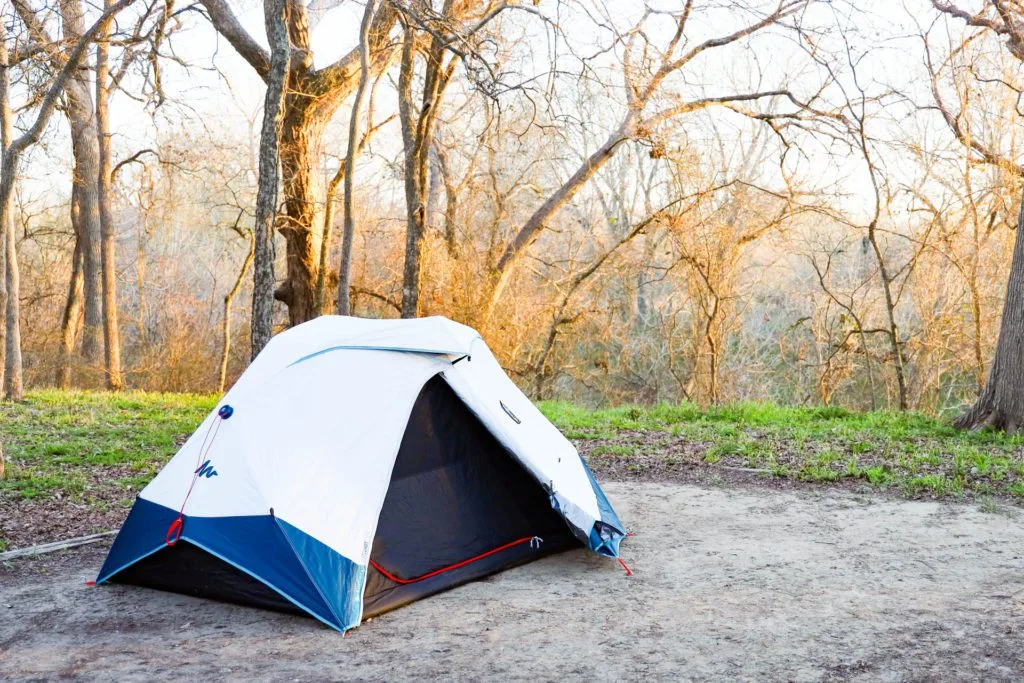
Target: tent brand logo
206 469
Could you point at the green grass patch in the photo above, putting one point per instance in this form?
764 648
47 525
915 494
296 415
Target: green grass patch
89 445
100 449
914 454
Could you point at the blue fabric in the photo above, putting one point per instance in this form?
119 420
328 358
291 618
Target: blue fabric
435 352
143 533
314 577
608 532
339 580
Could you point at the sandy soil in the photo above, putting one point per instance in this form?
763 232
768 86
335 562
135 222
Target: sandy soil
728 584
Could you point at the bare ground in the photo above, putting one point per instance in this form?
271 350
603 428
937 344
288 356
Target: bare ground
728 584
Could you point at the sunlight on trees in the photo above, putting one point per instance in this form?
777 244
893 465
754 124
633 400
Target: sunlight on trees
792 200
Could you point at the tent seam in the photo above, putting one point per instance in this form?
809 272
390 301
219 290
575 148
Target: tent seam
340 626
305 569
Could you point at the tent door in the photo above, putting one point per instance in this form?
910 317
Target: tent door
455 496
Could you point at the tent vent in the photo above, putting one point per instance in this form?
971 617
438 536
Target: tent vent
510 413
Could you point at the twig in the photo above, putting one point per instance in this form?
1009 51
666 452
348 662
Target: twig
55 546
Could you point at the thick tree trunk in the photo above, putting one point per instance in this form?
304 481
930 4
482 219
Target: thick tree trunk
313 95
108 260
85 148
1001 403
301 132
266 196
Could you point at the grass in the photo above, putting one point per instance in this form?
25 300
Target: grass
80 444
908 453
98 450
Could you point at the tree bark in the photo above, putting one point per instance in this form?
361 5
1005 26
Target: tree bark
418 138
348 233
12 378
313 95
14 388
1001 403
71 321
108 260
266 197
86 150
413 208
301 131
5 224
225 351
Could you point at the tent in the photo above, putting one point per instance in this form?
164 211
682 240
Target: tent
358 465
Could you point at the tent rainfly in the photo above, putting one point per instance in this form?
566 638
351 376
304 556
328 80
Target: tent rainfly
358 465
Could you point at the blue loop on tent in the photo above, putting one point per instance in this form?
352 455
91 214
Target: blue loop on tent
225 412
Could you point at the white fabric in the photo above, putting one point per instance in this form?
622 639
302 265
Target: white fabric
316 428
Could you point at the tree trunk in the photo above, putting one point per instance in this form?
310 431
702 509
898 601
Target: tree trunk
313 95
86 150
348 234
225 351
301 132
71 321
325 238
5 225
8 170
413 207
14 389
417 139
111 333
451 204
892 331
1001 403
266 196
12 381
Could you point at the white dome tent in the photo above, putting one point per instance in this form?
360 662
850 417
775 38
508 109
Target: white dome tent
358 465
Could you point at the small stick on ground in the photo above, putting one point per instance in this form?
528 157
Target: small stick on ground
55 546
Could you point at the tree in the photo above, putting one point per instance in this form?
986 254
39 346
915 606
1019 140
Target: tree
276 16
108 260
418 125
6 228
1001 402
345 267
11 155
311 98
85 288
646 68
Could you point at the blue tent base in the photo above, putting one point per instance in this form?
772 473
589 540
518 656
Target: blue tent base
290 564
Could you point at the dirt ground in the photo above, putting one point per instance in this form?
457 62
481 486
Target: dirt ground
728 583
